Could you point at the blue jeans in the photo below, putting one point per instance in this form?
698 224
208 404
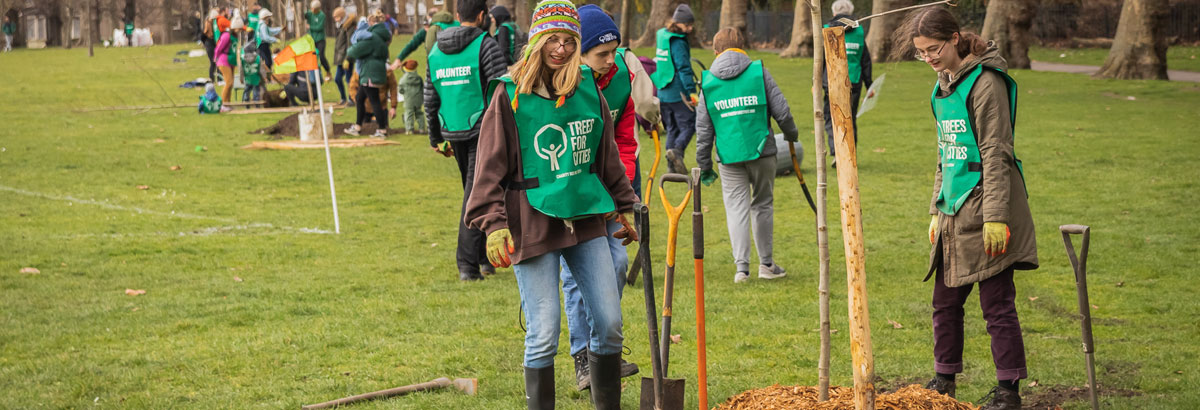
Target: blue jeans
537 281
579 326
341 78
252 93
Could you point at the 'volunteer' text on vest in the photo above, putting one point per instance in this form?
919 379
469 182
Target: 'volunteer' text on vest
456 78
559 150
664 66
738 109
958 144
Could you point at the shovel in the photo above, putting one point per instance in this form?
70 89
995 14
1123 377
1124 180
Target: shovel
637 259
1085 315
698 258
669 395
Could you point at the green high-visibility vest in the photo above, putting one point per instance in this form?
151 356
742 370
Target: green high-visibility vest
738 109
512 37
856 42
216 33
559 146
233 50
619 88
210 106
128 28
664 67
447 25
252 21
456 79
958 146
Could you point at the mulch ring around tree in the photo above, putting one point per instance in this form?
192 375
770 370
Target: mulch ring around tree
911 397
290 127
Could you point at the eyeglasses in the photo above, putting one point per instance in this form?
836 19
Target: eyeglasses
921 55
567 45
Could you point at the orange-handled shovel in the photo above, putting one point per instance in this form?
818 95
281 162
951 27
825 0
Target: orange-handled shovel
698 255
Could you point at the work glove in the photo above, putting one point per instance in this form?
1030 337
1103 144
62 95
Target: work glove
626 232
693 99
444 149
346 65
499 246
995 238
932 228
708 176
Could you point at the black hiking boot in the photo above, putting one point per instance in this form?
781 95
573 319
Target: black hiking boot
941 385
469 276
606 380
487 269
628 368
675 162
583 380
539 388
1002 399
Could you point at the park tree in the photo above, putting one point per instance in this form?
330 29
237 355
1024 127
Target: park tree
660 11
801 44
733 14
1007 23
1139 50
879 36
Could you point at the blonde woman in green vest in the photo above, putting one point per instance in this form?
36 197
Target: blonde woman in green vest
549 175
737 101
981 227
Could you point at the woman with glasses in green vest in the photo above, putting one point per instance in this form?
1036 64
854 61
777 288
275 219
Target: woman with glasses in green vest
981 227
737 101
549 175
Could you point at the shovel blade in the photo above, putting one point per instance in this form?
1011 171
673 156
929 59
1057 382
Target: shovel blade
672 394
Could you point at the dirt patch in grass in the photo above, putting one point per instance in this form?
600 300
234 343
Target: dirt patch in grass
911 397
1052 397
290 127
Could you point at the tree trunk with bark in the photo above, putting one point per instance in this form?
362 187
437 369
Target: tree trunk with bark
801 44
879 39
1007 23
626 19
522 13
1139 50
733 14
660 12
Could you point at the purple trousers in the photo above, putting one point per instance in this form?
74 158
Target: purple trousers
996 296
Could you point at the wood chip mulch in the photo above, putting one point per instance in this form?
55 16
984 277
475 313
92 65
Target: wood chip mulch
912 397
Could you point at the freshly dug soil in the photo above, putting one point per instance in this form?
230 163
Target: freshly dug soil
290 127
912 397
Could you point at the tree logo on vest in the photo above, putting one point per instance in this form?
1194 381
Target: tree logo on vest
551 152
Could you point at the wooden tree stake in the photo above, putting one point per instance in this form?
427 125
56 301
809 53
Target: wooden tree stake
814 7
852 230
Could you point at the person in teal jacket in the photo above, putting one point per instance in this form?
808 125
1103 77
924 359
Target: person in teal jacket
316 29
676 86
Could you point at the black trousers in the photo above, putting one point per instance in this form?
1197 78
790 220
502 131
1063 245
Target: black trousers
855 92
321 53
211 48
264 52
471 242
360 103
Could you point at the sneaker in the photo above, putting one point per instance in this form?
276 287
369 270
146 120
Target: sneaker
942 386
1002 399
353 130
583 376
773 271
741 277
675 161
379 134
487 269
226 109
628 368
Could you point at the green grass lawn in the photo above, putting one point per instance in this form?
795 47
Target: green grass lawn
1178 57
244 308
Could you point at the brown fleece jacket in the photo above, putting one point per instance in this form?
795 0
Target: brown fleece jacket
498 158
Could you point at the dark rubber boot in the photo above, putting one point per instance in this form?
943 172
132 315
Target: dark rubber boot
583 378
539 388
606 380
942 385
1002 399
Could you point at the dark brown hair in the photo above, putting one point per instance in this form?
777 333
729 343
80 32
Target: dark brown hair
936 23
728 38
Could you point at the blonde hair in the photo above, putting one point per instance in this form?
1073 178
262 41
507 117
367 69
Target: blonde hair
527 73
728 38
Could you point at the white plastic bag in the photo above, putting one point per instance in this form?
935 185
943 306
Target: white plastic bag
871 97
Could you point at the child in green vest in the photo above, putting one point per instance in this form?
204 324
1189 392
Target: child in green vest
737 101
251 74
412 87
858 61
676 87
210 102
549 176
981 228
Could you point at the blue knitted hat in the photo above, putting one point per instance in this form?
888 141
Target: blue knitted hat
596 28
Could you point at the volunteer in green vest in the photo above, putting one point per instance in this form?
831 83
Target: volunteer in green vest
252 18
252 74
676 87
858 61
549 176
426 36
460 66
316 29
209 39
264 36
737 101
629 92
129 31
981 227
506 33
